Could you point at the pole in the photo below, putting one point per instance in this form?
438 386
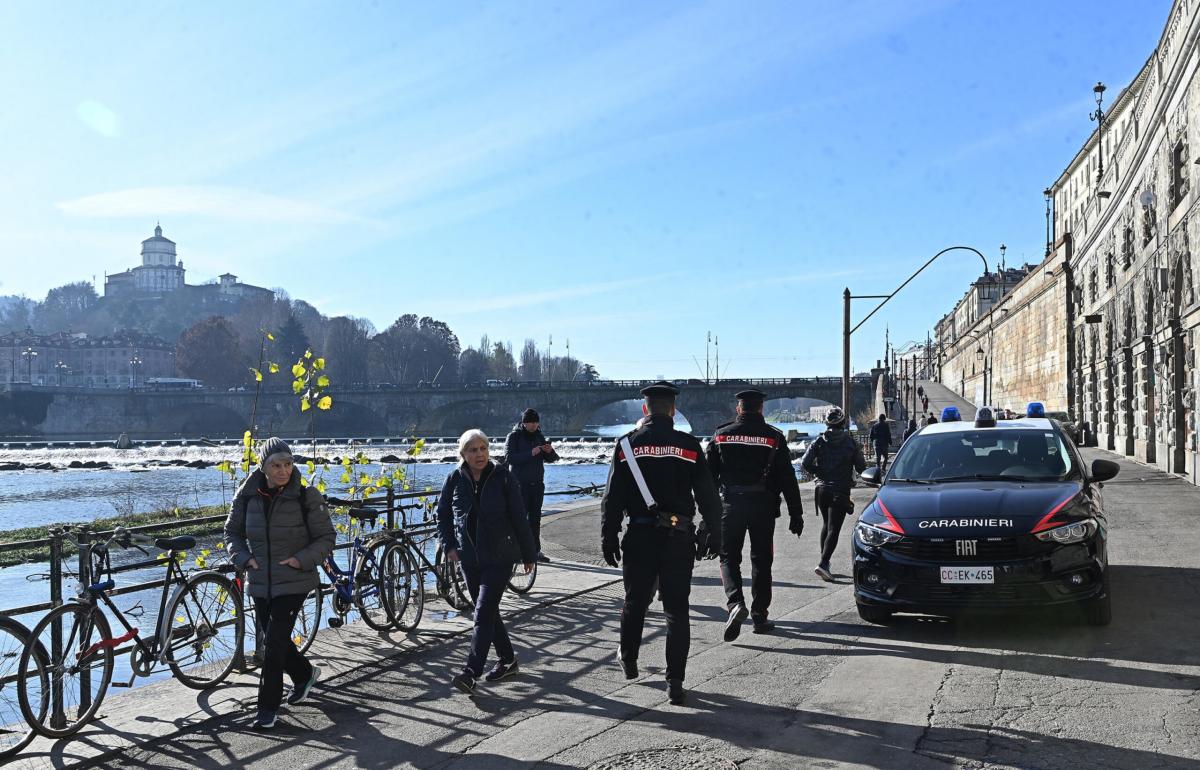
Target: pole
707 360
58 718
717 348
846 349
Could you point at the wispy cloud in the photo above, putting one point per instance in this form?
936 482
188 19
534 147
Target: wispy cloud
99 118
226 203
533 299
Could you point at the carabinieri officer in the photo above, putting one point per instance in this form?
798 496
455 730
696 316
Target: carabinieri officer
750 462
658 477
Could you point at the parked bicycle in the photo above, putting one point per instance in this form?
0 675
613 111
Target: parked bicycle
197 632
15 731
359 585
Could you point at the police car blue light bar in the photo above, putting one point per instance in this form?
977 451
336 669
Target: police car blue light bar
950 414
1035 409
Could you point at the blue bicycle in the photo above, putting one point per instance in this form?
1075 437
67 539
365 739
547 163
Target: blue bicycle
359 585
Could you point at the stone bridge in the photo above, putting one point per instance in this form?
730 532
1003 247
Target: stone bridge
51 413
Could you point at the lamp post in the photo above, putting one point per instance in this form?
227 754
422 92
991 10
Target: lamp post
1098 116
134 363
847 330
29 354
60 369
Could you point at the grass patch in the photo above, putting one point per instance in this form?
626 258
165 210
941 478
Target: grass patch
42 553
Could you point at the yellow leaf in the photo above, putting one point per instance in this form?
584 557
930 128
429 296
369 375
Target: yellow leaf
180 619
205 552
272 368
270 336
246 439
219 546
297 640
297 386
257 374
323 381
298 370
325 402
304 405
321 487
303 482
319 363
245 466
351 490
308 354
311 466
346 477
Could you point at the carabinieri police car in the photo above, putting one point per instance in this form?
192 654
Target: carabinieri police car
984 516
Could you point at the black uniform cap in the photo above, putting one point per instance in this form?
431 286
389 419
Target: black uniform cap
753 395
660 389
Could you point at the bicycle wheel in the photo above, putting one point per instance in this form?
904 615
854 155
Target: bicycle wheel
452 584
414 577
397 590
79 673
304 632
520 582
203 630
368 588
15 731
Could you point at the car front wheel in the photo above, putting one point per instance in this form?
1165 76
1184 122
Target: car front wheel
1098 612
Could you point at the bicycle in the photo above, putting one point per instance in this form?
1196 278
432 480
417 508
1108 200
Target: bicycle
304 632
196 634
360 585
15 730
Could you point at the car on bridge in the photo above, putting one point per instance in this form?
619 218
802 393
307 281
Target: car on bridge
984 515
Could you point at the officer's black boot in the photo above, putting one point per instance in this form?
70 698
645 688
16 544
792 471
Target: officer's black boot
677 695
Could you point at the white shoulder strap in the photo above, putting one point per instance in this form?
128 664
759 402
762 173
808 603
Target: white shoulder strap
638 478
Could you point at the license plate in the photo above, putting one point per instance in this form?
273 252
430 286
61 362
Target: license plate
968 575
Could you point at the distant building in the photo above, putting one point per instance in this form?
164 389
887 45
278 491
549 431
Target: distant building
68 359
819 413
162 272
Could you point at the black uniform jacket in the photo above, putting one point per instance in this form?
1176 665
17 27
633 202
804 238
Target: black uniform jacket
833 458
676 473
738 455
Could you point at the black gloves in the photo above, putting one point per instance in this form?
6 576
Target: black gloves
612 551
796 523
708 543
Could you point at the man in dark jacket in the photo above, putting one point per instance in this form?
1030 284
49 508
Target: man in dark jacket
749 461
660 541
527 451
881 442
278 531
833 458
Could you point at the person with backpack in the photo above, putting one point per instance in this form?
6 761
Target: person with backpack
881 441
832 459
482 525
527 451
912 428
278 531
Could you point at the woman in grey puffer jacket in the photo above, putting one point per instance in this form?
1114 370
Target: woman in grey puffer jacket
278 531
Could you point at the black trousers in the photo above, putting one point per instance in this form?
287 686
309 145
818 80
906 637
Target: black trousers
657 555
881 455
534 495
753 513
486 584
276 618
833 508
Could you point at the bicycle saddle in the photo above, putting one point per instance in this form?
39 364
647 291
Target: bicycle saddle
181 543
363 514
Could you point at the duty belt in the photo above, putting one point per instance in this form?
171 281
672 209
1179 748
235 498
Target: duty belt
666 520
746 488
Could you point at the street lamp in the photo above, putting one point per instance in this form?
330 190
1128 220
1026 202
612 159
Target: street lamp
1098 116
134 363
29 354
847 331
60 369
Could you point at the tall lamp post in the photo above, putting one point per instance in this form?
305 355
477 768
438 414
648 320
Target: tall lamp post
1098 116
847 331
60 369
29 354
1049 195
134 363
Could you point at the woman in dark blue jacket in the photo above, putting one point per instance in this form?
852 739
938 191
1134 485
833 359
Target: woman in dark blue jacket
483 526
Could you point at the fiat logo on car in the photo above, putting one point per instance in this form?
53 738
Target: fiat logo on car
966 547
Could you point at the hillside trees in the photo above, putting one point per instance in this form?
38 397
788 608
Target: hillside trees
209 351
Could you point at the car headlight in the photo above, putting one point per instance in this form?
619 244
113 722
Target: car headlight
874 535
1075 532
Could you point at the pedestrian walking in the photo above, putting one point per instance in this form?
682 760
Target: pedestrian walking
657 479
833 458
912 428
483 526
278 531
925 403
920 391
881 441
931 420
750 463
527 451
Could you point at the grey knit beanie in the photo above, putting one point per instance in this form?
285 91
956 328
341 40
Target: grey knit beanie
271 447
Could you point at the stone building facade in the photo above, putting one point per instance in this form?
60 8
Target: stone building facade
67 359
1128 229
161 272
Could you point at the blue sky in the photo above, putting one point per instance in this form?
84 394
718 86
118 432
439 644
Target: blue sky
625 175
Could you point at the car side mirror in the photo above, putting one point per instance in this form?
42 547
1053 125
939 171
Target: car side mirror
871 476
1103 470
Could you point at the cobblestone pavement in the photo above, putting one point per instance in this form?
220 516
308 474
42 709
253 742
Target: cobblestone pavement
827 690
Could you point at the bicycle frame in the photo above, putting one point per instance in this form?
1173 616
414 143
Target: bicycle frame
344 580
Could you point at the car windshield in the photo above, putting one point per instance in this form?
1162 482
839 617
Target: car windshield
994 453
